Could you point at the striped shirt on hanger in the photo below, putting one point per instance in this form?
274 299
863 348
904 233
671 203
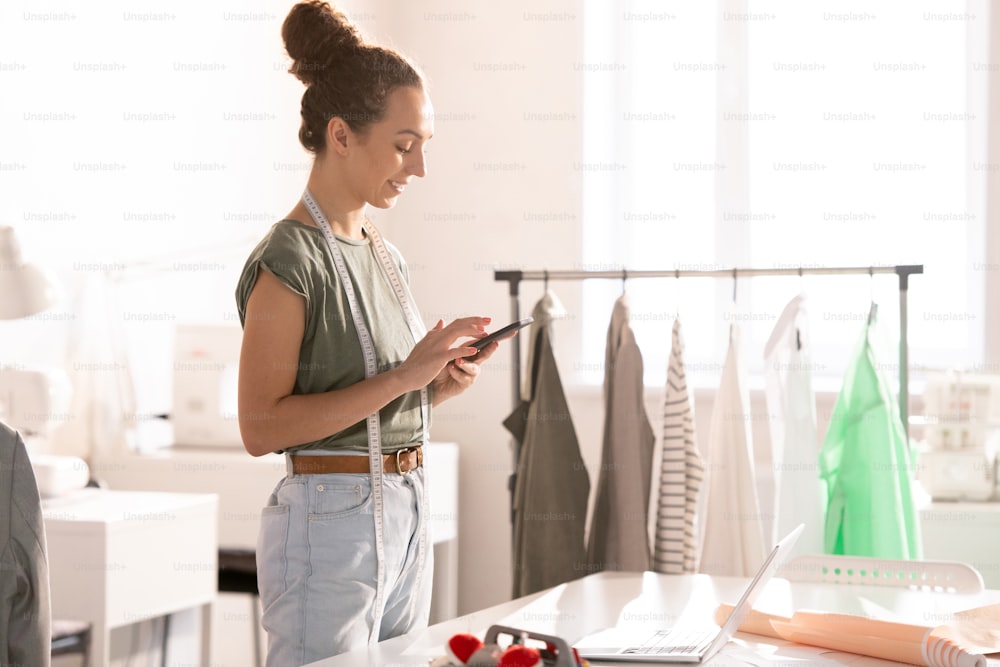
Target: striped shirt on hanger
675 547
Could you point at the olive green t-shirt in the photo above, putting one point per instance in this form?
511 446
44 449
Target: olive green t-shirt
330 356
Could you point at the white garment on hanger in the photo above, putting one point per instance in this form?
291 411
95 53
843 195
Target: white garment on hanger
681 469
799 491
733 543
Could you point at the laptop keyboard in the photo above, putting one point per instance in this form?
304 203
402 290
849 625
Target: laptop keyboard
667 642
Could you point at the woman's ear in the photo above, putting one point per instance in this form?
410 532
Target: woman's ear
337 135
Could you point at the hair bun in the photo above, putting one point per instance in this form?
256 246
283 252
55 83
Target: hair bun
317 36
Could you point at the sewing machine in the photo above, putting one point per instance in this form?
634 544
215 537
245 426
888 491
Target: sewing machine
33 401
206 364
962 436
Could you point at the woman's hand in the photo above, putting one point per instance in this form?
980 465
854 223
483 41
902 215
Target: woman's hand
460 374
431 355
453 379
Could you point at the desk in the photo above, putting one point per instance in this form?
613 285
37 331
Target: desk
117 558
645 600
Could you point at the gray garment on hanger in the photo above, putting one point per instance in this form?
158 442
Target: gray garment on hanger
619 538
552 486
25 617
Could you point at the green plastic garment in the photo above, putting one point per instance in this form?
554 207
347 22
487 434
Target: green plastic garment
866 462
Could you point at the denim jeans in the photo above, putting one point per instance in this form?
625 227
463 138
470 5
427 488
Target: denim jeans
316 565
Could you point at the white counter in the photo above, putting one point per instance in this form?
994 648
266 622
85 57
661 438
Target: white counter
120 558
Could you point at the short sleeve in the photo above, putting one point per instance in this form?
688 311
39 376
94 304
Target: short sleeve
287 252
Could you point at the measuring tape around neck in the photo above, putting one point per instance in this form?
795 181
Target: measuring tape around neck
417 331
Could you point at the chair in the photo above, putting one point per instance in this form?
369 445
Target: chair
71 638
238 574
932 575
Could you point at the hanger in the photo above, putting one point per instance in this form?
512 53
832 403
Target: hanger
798 332
732 325
624 278
872 313
677 301
873 309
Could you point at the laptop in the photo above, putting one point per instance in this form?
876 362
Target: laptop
685 645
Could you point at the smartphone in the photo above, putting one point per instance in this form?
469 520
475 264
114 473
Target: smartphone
500 333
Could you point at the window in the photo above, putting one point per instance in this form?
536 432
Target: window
776 135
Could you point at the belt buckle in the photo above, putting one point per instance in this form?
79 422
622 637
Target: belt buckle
399 468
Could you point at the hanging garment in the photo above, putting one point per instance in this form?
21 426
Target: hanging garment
681 471
619 537
552 485
733 543
799 492
865 461
25 615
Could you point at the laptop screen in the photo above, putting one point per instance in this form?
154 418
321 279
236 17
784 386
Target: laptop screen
779 554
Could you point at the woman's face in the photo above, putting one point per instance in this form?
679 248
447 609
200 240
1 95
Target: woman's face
391 153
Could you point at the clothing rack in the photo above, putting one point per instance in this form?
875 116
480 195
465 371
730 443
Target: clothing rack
514 278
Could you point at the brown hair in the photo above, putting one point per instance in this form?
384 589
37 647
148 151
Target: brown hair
344 76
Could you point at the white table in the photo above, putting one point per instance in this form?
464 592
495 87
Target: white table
647 599
119 557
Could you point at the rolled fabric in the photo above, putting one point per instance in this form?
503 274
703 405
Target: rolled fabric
902 639
876 647
902 642
944 652
756 622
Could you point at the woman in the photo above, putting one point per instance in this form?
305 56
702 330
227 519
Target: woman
336 370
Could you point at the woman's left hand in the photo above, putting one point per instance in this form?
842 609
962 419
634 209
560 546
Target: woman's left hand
458 375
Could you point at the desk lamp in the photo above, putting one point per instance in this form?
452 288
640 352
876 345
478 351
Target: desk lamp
25 290
33 400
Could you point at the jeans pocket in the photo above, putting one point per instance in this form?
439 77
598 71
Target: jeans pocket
272 558
338 498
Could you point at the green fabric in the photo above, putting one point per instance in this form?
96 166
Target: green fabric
330 356
866 462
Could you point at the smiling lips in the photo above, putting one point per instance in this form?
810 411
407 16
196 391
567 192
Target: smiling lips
397 186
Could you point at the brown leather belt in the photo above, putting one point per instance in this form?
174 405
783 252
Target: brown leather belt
402 461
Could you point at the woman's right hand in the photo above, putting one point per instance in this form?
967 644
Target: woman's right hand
433 352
